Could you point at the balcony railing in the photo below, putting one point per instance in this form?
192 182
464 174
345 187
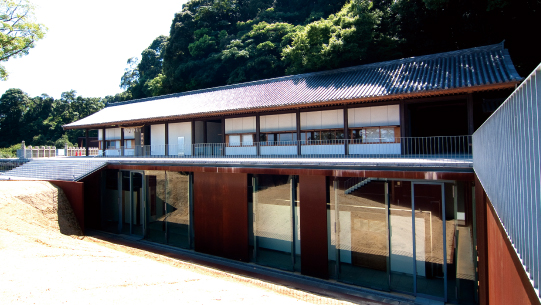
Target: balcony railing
449 148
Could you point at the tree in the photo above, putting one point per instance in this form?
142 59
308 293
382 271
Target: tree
18 30
340 40
14 104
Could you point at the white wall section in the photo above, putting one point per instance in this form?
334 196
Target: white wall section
278 122
180 130
240 125
374 116
322 119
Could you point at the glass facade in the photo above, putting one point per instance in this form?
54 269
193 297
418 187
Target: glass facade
275 225
358 239
414 237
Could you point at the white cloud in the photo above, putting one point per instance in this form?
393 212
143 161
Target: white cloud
88 44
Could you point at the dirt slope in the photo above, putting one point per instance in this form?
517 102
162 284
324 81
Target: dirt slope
45 261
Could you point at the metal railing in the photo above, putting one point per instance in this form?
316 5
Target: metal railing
457 148
507 160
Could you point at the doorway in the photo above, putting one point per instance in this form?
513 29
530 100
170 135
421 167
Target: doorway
418 239
132 203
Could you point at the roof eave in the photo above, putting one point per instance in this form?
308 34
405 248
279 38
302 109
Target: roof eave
402 96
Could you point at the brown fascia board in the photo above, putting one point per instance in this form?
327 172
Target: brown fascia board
397 97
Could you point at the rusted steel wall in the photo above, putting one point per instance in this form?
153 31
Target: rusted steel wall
313 226
75 194
423 175
502 279
507 280
220 211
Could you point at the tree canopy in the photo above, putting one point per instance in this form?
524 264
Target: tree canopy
218 42
18 30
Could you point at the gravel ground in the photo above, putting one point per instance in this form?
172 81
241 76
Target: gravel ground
44 260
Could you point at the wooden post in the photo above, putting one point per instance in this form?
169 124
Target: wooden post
346 131
257 131
121 141
298 122
103 143
86 142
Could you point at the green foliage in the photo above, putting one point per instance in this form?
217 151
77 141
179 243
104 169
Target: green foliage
10 152
39 120
18 30
218 42
338 41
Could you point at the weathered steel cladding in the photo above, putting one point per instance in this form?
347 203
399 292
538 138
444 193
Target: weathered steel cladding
313 226
221 214
469 68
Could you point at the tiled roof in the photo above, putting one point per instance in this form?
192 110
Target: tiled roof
423 75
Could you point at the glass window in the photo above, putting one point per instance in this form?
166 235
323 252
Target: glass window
371 135
387 134
178 209
274 218
234 140
247 140
358 249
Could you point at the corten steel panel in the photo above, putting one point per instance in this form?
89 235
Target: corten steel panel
74 192
482 255
313 226
235 215
423 175
221 214
508 283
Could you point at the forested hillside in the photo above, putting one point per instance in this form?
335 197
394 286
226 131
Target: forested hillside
219 42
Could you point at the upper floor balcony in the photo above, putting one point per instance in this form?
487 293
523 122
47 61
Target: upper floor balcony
447 151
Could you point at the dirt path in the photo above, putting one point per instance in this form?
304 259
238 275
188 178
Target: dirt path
40 265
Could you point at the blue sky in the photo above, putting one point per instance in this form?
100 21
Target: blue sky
87 45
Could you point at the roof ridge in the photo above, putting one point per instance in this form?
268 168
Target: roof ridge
492 47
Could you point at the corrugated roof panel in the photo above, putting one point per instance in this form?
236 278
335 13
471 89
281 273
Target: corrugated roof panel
423 74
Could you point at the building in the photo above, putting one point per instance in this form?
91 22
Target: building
362 175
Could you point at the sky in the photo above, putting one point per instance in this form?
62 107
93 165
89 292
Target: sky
88 44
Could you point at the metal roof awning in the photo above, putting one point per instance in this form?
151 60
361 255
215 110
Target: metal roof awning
469 70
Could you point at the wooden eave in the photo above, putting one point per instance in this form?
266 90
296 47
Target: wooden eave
394 97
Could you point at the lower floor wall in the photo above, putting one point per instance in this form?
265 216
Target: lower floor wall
414 236
504 280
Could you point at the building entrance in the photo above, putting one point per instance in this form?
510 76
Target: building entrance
132 203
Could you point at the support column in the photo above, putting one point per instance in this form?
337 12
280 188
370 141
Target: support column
346 131
121 141
86 142
257 131
313 226
298 122
103 142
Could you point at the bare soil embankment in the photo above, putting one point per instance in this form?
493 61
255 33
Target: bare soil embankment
44 260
